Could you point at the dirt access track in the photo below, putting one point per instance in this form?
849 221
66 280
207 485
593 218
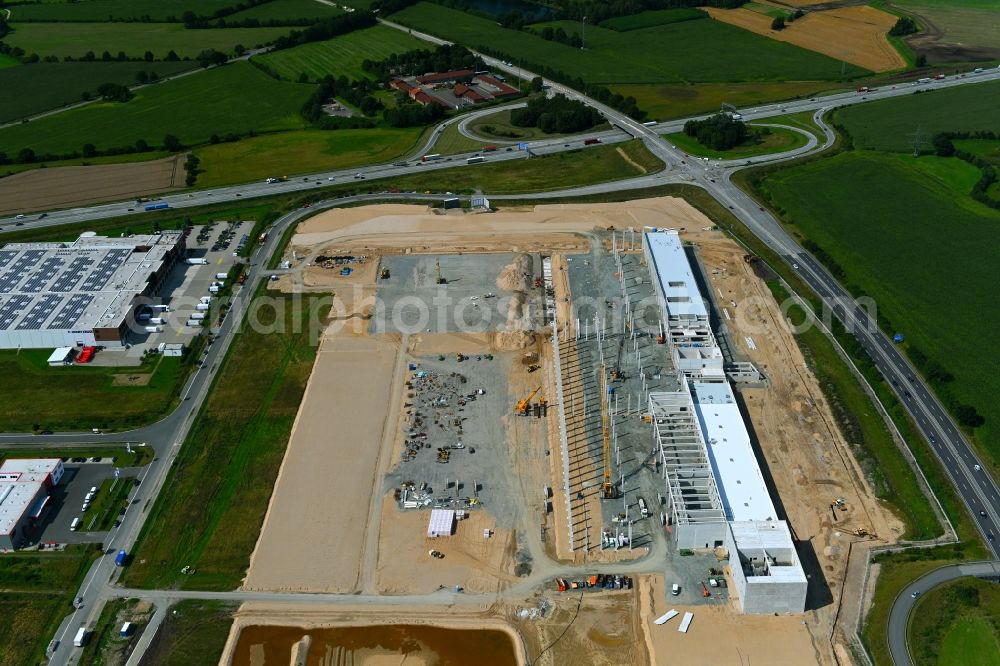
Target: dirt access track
65 187
853 34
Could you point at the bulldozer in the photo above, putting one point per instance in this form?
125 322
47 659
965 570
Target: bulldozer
384 273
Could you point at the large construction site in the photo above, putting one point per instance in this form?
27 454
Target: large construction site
586 426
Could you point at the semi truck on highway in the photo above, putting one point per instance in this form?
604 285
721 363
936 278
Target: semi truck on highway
475 160
431 157
81 637
157 206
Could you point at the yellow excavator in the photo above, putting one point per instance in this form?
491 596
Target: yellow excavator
523 406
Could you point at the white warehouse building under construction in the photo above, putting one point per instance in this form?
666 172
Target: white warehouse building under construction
716 491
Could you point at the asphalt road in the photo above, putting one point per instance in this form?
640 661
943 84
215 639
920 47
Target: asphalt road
903 605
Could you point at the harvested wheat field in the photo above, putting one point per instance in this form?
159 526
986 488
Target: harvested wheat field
63 187
854 34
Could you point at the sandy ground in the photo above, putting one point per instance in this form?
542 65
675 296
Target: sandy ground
476 563
720 635
407 228
854 34
314 531
807 457
62 187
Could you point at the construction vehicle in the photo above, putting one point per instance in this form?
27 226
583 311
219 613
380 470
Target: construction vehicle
437 268
533 367
864 532
384 273
704 590
525 404
607 490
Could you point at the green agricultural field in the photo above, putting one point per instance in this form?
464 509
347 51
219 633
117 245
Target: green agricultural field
49 85
342 55
278 10
76 39
957 624
890 124
989 150
680 101
598 164
116 10
652 18
779 140
968 23
691 51
906 232
767 10
235 98
291 153
38 591
209 515
83 397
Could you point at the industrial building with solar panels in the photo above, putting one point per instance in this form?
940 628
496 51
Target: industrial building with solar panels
81 293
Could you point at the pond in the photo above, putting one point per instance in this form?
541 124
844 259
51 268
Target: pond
264 645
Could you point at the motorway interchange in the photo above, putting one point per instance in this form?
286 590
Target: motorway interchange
976 488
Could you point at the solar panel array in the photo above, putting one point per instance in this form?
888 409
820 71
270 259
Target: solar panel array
42 275
71 311
6 256
39 312
104 269
72 275
11 309
21 265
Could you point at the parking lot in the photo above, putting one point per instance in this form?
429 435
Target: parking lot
67 500
215 244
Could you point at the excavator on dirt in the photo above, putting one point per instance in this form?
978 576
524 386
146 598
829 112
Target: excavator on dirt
524 405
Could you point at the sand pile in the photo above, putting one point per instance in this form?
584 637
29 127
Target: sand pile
513 277
513 340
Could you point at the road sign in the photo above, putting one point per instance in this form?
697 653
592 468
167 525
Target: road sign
522 146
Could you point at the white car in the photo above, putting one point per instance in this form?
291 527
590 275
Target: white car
976 467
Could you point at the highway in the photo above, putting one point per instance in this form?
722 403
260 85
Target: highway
903 605
977 489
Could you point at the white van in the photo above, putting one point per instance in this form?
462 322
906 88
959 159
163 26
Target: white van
675 589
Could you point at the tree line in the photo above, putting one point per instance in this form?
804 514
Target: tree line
444 58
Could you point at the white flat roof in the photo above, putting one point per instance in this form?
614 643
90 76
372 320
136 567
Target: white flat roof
441 522
774 538
26 470
20 480
741 484
673 272
89 283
